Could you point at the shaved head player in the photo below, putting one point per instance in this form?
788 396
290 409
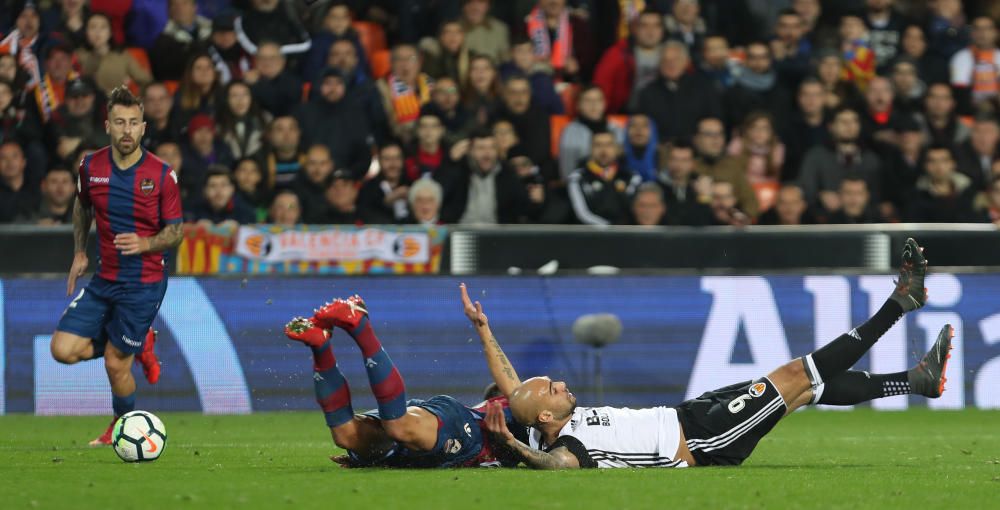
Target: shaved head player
133 195
720 427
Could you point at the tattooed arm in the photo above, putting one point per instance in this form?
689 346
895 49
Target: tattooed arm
500 368
560 457
132 244
82 218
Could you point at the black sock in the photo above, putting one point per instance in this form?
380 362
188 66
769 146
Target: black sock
852 387
842 353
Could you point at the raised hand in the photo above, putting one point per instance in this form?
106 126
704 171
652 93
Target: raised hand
474 311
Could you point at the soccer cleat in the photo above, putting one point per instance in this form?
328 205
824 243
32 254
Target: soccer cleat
928 377
910 292
306 331
105 438
147 358
342 313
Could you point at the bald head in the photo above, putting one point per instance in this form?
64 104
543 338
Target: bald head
539 401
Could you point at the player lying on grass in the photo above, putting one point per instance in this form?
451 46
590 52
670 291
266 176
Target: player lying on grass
720 427
438 432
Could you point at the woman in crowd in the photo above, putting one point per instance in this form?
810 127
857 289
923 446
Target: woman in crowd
108 64
241 123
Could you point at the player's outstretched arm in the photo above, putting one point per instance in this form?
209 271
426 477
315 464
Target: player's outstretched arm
500 368
132 244
82 219
558 458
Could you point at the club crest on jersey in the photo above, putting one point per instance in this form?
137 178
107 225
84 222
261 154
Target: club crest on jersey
147 186
757 389
452 446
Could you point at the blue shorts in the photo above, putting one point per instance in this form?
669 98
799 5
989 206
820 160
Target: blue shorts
122 312
460 438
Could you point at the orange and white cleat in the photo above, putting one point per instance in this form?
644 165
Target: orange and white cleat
342 313
928 377
306 331
105 438
147 358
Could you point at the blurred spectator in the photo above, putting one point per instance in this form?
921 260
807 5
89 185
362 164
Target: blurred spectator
524 63
482 97
424 200
561 38
600 190
219 202
756 87
484 34
547 203
632 63
337 122
821 36
67 21
311 182
336 26
641 152
684 24
170 153
948 31
58 194
230 59
856 49
838 92
530 123
940 122
717 63
990 203
447 107
677 100
162 124
198 89
285 210
790 208
12 73
975 71
447 55
343 57
341 199
724 210
241 123
591 117
855 204
977 154
942 195
251 187
931 67
180 40
17 198
429 153
885 28
824 166
790 49
908 86
383 198
404 91
687 194
506 137
201 150
281 159
51 90
712 161
806 128
21 125
480 189
758 142
25 42
648 206
79 121
272 20
900 173
879 123
108 64
275 88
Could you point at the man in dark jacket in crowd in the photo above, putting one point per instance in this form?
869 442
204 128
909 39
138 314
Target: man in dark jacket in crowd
219 202
311 182
480 188
337 122
272 20
601 191
943 195
676 100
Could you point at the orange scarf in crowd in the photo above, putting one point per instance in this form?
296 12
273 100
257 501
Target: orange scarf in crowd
606 174
984 74
558 51
629 10
20 47
49 95
406 101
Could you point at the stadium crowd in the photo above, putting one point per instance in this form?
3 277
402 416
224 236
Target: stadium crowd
649 112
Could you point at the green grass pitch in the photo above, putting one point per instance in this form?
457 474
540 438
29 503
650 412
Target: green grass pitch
814 459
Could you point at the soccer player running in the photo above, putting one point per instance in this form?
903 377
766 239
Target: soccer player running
720 427
133 195
437 432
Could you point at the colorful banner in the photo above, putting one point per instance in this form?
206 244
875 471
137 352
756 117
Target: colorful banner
310 249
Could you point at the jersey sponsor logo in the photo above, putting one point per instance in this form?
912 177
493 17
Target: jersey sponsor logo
100 180
452 446
147 186
598 419
757 389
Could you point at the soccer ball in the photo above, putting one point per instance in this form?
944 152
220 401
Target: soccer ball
139 436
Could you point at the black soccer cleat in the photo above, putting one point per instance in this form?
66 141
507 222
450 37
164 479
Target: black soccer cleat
910 292
928 377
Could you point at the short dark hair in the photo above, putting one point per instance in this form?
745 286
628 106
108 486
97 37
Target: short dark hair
682 144
392 143
216 170
788 11
836 112
942 147
122 96
481 133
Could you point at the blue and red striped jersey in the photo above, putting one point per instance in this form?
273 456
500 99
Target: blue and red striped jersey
142 199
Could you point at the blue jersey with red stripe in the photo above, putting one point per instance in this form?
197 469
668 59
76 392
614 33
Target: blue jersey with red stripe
141 199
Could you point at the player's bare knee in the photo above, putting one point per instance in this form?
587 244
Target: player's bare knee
117 368
63 352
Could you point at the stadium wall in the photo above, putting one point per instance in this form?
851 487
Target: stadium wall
223 350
